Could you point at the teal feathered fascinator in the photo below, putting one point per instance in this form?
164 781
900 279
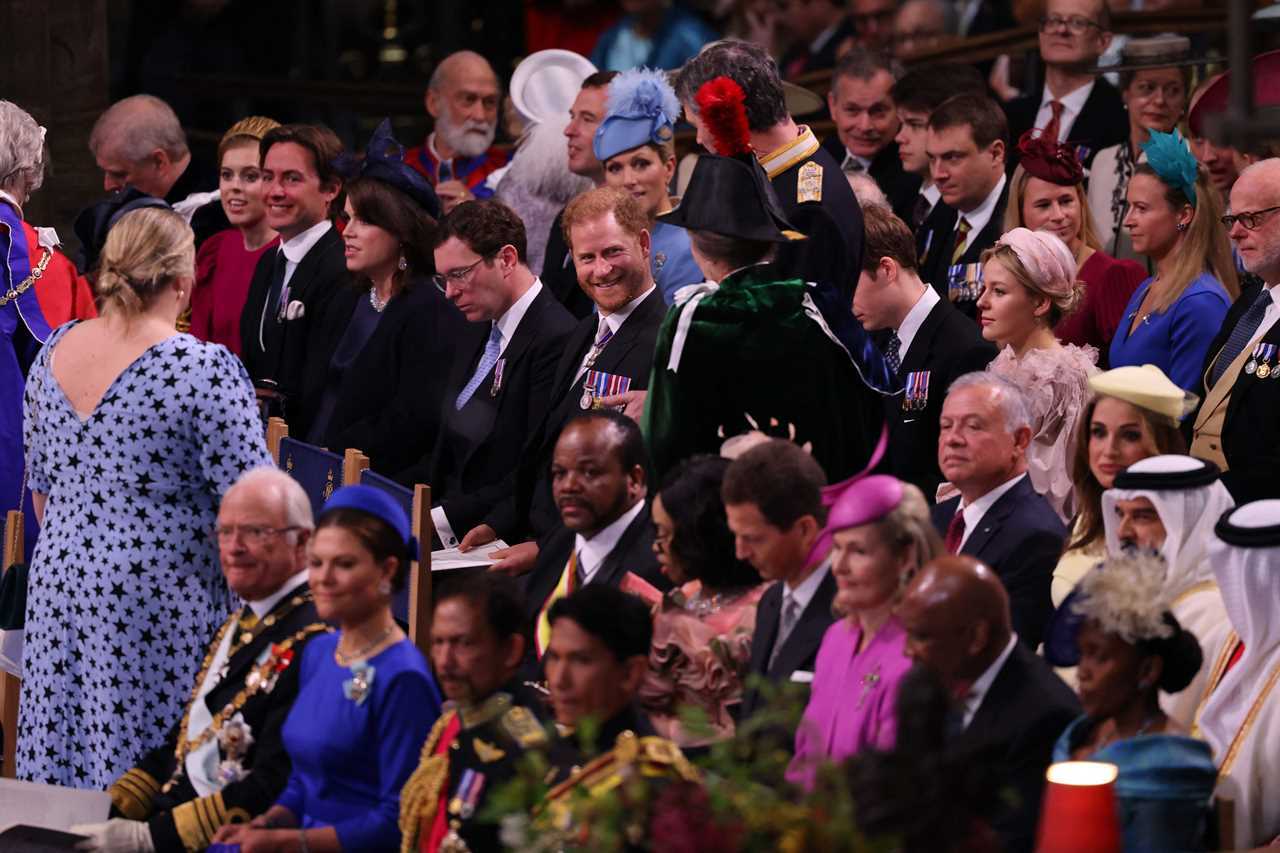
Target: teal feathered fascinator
1172 160
642 108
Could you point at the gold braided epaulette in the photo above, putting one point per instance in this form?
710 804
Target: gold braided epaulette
421 794
652 757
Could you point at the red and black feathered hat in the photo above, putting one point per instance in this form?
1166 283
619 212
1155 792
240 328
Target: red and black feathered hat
729 193
1049 160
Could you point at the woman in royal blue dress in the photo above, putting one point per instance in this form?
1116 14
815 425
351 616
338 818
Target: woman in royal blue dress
1117 627
367 699
1173 219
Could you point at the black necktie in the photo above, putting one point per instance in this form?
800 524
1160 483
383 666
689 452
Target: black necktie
919 211
277 283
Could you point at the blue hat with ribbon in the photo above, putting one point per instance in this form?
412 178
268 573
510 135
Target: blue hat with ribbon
384 161
1171 159
643 108
380 505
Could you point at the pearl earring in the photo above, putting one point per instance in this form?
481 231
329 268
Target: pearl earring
402 265
384 587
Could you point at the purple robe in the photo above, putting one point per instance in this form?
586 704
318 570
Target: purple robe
854 696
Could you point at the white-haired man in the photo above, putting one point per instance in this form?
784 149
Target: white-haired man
226 760
998 518
458 156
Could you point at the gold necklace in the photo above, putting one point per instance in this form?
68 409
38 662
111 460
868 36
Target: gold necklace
346 658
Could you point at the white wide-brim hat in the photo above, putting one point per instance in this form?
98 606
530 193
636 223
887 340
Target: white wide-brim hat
545 83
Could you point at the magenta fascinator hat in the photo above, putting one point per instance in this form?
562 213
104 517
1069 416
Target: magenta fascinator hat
858 500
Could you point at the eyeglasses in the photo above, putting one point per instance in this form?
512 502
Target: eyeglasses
253 534
1076 24
1250 219
458 276
1172 91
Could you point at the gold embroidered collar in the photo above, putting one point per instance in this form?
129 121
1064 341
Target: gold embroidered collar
795 151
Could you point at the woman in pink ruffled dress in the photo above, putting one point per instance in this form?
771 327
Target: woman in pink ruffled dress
702 629
1029 284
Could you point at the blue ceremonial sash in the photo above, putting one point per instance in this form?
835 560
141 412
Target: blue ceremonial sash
17 270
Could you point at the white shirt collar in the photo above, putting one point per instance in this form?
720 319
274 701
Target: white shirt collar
981 215
915 319
974 512
804 592
931 194
296 248
1072 105
594 551
510 319
617 318
266 605
978 692
850 157
13 201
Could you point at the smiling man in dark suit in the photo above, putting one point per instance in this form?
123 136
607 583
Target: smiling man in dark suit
773 500
499 387
293 285
609 353
1009 705
867 122
927 342
966 144
1075 106
605 534
998 518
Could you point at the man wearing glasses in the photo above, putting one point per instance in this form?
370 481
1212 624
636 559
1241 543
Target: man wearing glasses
1236 426
1074 106
500 385
225 761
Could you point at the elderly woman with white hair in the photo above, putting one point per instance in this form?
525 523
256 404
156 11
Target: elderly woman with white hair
39 290
1029 284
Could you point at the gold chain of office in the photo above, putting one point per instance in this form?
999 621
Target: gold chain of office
28 281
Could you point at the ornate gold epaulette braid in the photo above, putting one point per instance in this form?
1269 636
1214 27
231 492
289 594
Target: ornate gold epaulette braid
651 755
264 673
133 794
421 794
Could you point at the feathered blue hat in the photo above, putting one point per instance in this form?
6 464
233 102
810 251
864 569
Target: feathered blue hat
380 505
384 161
643 108
1172 160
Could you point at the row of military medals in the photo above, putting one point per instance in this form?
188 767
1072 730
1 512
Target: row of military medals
462 807
597 383
1262 363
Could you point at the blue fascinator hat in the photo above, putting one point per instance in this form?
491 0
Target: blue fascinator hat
643 108
380 505
384 161
1172 160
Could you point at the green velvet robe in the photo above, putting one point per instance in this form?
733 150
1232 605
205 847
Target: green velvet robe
758 346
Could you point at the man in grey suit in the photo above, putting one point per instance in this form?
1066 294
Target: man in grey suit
773 500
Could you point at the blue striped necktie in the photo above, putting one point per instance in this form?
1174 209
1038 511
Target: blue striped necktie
1241 334
487 361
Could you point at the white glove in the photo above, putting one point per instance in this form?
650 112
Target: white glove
115 836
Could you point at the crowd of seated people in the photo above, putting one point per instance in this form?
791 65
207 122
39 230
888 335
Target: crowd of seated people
960 422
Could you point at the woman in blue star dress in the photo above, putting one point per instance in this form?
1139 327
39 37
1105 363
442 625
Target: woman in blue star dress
132 432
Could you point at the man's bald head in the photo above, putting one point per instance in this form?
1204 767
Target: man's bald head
462 98
461 64
956 613
1258 189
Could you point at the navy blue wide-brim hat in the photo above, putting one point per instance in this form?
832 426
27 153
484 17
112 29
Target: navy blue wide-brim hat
380 505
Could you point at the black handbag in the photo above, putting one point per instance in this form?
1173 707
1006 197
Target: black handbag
13 598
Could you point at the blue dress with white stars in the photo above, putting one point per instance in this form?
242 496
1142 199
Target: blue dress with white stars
125 591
